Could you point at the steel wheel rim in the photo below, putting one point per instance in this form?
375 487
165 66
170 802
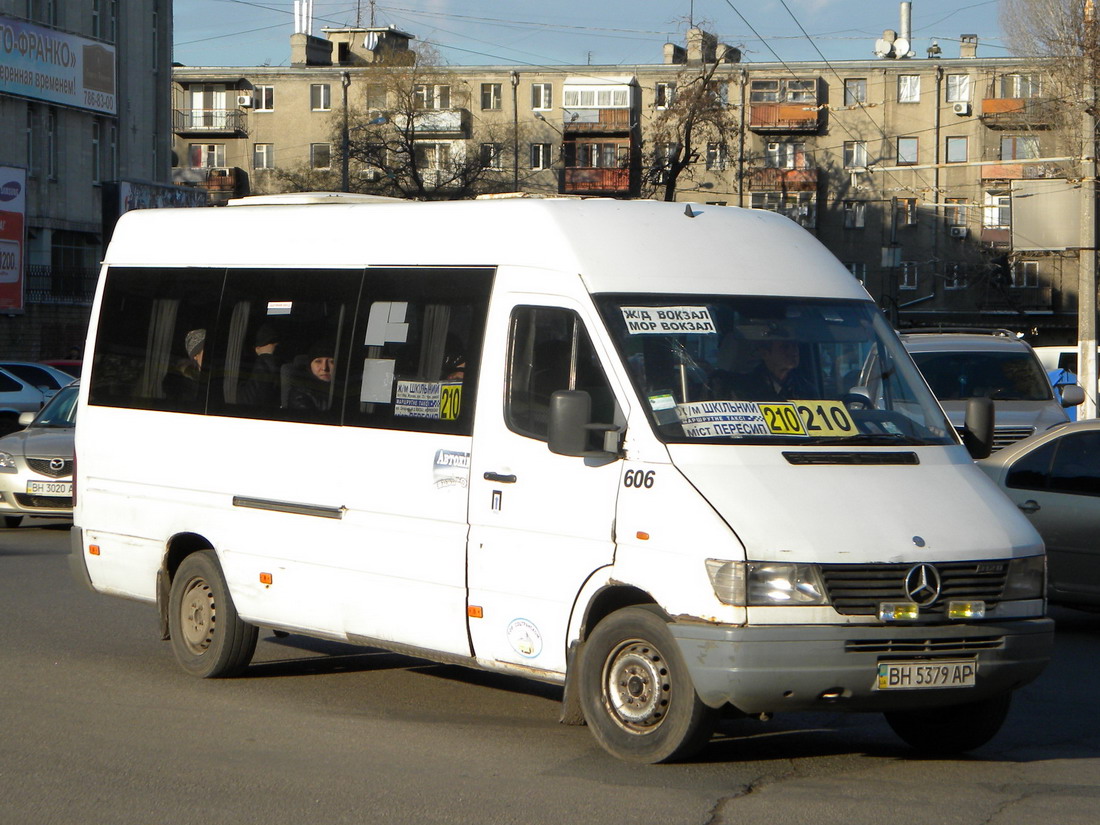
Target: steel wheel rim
197 615
637 686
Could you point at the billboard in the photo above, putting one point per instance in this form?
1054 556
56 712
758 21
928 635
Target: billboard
13 209
56 67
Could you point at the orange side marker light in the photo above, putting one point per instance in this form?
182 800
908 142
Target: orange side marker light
475 612
93 549
266 578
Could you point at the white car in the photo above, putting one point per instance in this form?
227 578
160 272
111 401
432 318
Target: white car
36 464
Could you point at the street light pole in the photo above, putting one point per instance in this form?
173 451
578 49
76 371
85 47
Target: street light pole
1086 292
345 81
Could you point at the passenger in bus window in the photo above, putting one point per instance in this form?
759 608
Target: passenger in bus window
261 388
312 387
181 383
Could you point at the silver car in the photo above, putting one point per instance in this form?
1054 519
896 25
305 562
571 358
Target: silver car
1054 477
16 396
996 365
36 464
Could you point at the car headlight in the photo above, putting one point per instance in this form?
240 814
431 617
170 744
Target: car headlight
757 583
1026 578
7 461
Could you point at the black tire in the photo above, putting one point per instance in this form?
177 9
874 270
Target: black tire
12 521
951 730
208 637
636 693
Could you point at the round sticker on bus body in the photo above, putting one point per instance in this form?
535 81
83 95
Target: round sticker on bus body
524 638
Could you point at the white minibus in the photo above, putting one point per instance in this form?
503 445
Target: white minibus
670 457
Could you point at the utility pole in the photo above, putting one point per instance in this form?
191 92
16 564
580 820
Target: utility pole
1086 297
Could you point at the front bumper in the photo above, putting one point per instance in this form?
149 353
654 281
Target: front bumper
834 667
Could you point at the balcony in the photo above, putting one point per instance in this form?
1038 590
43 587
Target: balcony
591 180
1018 112
784 117
434 122
771 179
60 285
210 122
592 121
1018 171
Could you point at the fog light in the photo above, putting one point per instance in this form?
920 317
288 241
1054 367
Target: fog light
898 611
966 610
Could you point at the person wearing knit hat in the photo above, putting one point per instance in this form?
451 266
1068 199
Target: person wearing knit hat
313 389
261 387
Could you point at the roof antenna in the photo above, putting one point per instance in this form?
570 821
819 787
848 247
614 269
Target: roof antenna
688 212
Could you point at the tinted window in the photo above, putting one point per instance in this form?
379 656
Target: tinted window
1077 464
35 376
1032 471
1002 376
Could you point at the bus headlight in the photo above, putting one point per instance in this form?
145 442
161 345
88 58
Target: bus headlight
1026 578
758 583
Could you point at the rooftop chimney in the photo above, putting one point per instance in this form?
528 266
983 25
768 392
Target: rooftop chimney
968 45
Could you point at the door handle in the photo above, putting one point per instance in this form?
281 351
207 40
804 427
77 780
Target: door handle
1030 506
500 478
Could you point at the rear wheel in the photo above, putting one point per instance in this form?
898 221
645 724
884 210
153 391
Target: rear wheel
636 693
952 729
208 637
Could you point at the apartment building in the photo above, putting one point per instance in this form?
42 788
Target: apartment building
84 134
944 183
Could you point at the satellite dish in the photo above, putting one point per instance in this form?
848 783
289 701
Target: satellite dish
901 48
883 47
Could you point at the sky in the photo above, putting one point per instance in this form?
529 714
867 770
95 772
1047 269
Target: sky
577 32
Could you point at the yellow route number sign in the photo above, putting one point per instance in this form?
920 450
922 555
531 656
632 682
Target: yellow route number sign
825 418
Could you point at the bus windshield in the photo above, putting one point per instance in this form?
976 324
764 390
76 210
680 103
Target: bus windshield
766 370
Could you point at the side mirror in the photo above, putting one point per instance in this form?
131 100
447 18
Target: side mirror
25 419
977 434
570 427
1072 395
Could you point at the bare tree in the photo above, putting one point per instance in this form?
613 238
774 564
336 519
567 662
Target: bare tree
698 114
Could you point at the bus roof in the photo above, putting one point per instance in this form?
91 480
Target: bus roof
615 245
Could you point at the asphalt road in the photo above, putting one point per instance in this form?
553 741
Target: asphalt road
99 725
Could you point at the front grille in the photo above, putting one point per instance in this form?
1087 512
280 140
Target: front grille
42 466
850 457
1003 436
44 502
917 647
857 589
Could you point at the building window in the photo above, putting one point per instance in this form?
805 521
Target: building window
858 270
320 155
908 88
907 151
97 19
375 96
955 211
785 156
542 96
490 96
432 155
1020 85
541 157
1025 274
51 143
428 96
954 276
97 150
855 154
320 97
664 95
207 155
111 157
958 88
909 277
957 150
905 213
997 211
31 140
716 156
855 214
855 91
491 155
263 98
263 156
800 207
788 90
1020 147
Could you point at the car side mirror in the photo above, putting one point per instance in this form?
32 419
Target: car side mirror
977 434
1072 395
570 427
25 419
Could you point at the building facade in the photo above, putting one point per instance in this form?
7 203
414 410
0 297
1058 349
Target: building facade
84 134
923 175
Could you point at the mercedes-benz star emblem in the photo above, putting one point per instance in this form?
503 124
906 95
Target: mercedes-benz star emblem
922 584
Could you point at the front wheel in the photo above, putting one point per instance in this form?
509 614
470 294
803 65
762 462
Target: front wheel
636 693
208 637
953 729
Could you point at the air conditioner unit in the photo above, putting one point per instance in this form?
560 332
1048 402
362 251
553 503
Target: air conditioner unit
962 108
244 101
958 231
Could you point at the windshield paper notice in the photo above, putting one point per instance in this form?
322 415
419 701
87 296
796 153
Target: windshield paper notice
736 419
668 320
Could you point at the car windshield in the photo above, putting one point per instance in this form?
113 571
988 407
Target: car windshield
1003 376
60 411
772 370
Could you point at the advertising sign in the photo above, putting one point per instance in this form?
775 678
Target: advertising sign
13 208
53 66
